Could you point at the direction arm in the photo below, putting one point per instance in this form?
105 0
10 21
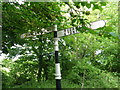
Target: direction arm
69 31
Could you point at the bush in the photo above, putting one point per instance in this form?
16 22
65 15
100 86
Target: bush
87 76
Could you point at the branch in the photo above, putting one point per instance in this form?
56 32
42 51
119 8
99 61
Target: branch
72 8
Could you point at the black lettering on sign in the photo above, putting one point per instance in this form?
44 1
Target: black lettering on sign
68 31
71 31
74 30
65 32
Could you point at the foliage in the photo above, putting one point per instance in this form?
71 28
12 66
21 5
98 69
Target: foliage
88 59
87 76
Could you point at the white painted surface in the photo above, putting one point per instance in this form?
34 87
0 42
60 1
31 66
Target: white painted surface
66 32
73 30
60 33
57 73
56 46
55 26
97 24
69 31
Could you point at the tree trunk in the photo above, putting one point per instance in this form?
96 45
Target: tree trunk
40 59
40 66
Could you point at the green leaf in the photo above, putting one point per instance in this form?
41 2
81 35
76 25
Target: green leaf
77 4
83 3
74 20
89 30
97 7
108 28
88 5
113 34
103 3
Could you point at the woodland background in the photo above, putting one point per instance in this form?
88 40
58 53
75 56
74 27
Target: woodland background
89 59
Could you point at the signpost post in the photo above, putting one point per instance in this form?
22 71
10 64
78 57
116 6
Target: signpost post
65 32
57 62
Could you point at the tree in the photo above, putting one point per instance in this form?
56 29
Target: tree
36 17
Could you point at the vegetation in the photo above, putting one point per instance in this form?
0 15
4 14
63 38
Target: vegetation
89 59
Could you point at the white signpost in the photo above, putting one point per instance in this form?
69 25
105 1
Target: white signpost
69 31
65 32
73 30
57 35
97 24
